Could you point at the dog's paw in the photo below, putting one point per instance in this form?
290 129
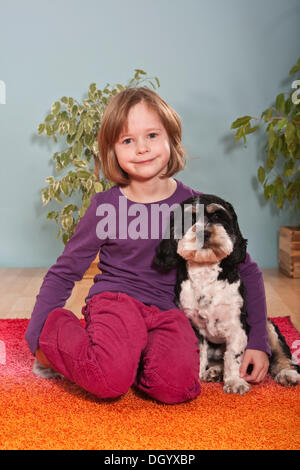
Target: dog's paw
237 385
287 377
45 372
213 374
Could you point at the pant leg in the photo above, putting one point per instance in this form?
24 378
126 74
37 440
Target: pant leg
169 370
102 357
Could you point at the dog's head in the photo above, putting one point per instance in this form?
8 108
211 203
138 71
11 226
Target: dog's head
204 230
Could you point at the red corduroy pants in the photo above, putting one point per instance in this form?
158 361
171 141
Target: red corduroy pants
124 343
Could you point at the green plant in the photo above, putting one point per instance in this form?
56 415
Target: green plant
77 124
280 173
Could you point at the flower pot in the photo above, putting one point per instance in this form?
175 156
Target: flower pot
289 251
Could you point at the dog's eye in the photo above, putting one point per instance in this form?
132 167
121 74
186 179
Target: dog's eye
220 217
216 216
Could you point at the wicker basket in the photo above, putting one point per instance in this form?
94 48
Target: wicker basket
289 251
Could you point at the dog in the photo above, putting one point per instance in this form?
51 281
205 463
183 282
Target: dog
210 291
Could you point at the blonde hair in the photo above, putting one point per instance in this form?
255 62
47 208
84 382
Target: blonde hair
115 120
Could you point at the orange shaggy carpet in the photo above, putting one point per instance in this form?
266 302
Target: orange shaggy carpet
56 414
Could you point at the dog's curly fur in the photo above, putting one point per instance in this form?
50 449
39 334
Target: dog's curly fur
210 291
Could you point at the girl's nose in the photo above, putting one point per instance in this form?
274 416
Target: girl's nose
142 146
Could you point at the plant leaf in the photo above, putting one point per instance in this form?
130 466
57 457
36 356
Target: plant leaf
261 174
49 118
280 103
240 121
98 187
55 108
281 123
41 128
251 130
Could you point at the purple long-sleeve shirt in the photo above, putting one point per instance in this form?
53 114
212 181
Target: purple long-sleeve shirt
127 234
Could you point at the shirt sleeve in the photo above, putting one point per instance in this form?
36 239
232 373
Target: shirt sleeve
70 267
256 305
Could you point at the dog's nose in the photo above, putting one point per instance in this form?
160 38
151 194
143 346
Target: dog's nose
207 235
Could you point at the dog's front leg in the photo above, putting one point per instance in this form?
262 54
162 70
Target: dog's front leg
235 348
203 357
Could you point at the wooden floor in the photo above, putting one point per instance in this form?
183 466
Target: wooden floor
19 287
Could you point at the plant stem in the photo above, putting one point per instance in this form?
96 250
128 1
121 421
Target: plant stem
276 117
96 167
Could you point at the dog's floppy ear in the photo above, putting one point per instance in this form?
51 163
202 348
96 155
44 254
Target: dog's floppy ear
166 255
240 250
166 252
240 245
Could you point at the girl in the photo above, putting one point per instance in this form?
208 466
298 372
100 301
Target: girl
134 333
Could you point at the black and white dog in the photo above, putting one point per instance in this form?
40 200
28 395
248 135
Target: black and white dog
211 293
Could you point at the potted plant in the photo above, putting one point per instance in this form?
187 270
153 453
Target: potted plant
75 124
280 173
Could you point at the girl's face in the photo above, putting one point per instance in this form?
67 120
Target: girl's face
143 150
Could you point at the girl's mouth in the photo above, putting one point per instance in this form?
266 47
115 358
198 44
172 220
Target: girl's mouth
145 161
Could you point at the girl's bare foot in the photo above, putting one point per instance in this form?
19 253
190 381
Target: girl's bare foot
42 367
42 358
45 372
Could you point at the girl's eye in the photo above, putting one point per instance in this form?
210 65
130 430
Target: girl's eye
152 135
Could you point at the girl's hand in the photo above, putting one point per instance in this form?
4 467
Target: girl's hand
40 356
260 362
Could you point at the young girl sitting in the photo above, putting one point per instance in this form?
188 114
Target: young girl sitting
134 334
